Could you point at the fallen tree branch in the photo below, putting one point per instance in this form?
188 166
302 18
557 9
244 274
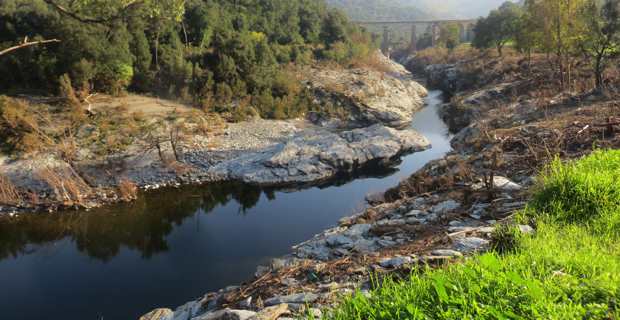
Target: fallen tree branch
26 43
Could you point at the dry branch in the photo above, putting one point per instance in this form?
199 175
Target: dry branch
27 43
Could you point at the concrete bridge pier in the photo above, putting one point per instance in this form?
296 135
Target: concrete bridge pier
413 46
435 33
385 44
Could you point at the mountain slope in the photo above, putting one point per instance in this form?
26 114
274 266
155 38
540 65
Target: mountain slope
415 9
380 10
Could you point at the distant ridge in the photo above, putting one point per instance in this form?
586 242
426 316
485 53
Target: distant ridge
380 10
390 10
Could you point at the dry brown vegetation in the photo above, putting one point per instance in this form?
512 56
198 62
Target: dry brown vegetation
128 190
9 194
69 188
441 55
373 62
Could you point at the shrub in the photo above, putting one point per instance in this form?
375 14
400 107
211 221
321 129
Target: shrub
505 238
19 126
128 190
68 187
9 195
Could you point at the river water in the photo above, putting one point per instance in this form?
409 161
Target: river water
172 246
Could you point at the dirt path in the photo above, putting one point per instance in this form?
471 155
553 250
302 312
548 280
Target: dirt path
137 103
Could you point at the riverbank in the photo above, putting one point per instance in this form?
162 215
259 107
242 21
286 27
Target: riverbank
449 209
360 125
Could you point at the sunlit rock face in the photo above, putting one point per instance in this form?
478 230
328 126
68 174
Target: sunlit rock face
385 94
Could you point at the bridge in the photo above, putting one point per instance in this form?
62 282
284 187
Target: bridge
466 28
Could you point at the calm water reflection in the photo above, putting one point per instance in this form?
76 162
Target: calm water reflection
174 245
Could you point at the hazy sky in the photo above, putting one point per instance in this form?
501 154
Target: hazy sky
456 8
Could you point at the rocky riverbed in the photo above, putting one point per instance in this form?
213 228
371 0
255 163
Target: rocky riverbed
505 133
451 213
263 152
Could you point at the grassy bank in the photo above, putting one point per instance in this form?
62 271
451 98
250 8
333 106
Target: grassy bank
570 269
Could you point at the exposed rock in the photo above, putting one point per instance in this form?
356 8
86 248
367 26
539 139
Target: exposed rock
358 230
227 314
396 262
446 253
413 213
292 298
312 155
444 77
365 246
338 241
525 229
505 184
466 137
369 96
445 207
470 244
189 310
158 314
271 313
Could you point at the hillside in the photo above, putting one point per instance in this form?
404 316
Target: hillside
380 9
415 9
206 53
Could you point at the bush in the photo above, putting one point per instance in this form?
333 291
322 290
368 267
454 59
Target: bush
9 194
584 191
19 126
128 190
69 188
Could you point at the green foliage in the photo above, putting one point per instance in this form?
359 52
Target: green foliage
194 50
584 192
601 39
500 27
449 35
568 270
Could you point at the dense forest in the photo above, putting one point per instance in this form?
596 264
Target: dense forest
210 53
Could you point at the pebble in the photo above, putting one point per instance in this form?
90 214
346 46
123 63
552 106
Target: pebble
396 262
470 244
446 253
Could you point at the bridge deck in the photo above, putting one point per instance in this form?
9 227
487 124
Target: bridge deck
415 21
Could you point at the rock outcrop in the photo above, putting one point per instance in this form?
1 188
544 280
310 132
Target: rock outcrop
313 155
390 97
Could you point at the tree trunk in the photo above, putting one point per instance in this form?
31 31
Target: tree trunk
159 152
598 72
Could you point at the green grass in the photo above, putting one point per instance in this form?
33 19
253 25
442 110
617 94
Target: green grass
569 270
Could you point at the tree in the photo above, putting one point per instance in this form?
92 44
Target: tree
449 35
499 28
561 28
529 32
601 39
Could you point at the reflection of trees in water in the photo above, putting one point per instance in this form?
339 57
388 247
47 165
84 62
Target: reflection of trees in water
142 225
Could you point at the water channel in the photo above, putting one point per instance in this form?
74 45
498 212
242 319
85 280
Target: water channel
172 246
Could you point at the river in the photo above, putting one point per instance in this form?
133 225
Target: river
172 246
